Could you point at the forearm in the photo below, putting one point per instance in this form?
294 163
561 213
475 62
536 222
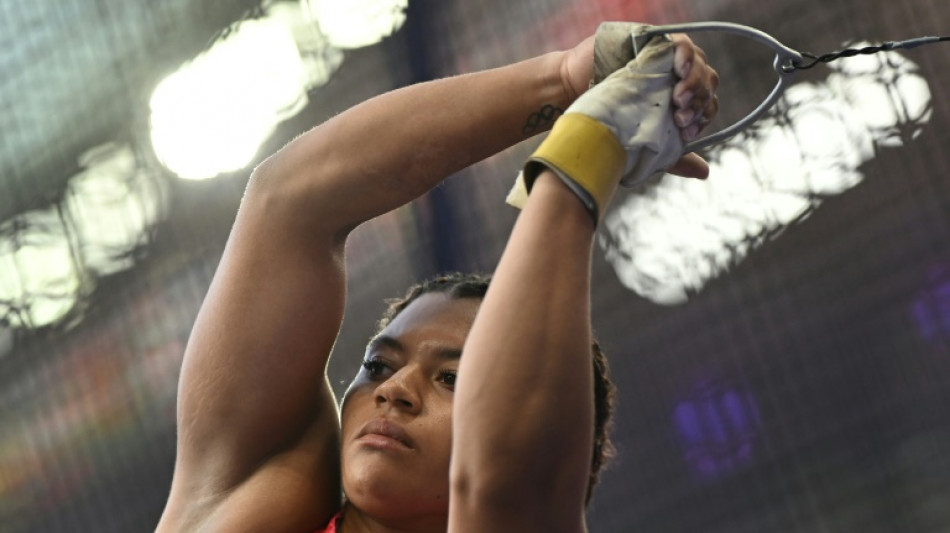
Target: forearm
393 148
523 420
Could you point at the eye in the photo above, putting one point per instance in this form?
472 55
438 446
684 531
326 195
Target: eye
375 367
448 377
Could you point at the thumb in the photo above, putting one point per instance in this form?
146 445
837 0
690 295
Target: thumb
691 165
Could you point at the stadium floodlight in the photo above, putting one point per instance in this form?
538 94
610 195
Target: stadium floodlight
212 115
357 23
39 279
111 205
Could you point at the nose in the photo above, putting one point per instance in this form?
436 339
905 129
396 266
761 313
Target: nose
398 392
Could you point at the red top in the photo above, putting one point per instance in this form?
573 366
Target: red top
331 527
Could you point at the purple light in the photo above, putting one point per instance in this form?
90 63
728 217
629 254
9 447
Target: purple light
931 310
717 424
687 422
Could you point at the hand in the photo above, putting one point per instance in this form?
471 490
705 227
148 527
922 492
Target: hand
695 101
694 95
621 131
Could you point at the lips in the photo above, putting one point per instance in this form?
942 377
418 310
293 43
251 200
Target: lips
386 428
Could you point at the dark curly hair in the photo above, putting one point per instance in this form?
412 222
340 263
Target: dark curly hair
461 285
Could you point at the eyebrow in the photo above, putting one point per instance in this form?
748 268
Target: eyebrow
384 341
391 343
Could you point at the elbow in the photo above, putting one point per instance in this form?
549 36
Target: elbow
293 197
516 485
483 490
271 180
300 172
532 503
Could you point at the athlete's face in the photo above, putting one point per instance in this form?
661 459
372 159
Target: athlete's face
397 413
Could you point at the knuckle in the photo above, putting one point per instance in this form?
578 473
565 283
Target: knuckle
700 53
701 95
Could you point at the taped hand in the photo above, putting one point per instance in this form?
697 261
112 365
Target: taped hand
622 130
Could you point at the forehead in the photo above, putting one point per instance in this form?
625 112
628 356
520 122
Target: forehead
434 315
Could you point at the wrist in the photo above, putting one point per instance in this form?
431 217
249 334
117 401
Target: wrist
560 200
586 155
564 75
548 98
557 77
577 68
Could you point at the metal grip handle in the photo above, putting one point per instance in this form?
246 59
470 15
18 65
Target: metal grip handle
785 63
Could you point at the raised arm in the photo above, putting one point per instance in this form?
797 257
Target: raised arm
523 419
258 432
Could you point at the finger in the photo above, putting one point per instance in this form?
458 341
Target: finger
713 77
694 94
683 53
703 104
703 87
694 117
701 111
696 81
712 108
701 53
694 85
709 107
684 117
691 165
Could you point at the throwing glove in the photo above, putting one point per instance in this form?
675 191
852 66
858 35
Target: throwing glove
620 131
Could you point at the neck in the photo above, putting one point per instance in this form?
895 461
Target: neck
357 521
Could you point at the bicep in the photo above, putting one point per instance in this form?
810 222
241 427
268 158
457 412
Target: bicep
253 386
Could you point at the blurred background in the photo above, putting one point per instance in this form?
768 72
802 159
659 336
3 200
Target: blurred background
780 334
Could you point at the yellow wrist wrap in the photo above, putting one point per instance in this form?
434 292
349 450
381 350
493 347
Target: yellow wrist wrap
586 155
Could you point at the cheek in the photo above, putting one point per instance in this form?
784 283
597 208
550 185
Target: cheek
355 402
441 420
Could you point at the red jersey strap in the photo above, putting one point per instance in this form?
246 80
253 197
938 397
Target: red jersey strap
331 527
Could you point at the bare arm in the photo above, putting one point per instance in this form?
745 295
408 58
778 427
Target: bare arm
523 418
392 149
258 428
528 356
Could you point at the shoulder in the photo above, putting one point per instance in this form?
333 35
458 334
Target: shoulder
297 490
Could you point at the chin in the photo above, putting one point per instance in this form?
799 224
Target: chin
393 492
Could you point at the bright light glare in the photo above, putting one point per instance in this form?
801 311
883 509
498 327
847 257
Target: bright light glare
111 206
49 258
39 281
669 242
358 23
320 59
212 115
